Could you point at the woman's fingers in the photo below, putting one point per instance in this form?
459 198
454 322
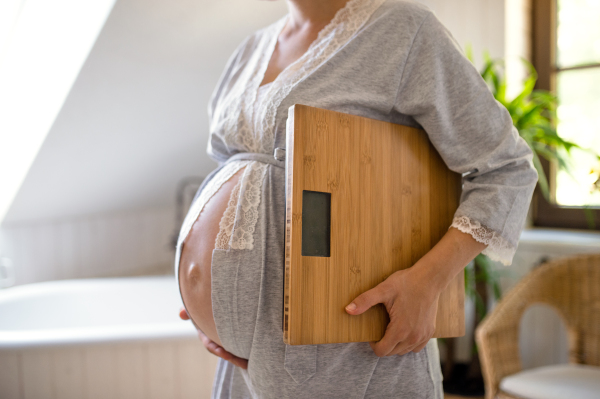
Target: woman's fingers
214 348
420 347
218 350
223 354
401 348
412 314
412 343
390 340
183 314
238 361
405 346
366 300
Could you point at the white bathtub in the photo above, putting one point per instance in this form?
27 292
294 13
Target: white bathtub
100 338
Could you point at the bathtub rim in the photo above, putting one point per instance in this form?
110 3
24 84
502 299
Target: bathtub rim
80 336
20 339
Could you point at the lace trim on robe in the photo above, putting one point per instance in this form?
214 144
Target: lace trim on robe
211 188
226 223
249 131
340 29
229 216
498 249
238 222
247 210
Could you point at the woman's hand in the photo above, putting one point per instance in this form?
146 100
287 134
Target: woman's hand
412 306
215 349
411 295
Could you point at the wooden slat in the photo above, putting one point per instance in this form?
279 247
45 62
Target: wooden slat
392 199
67 372
10 381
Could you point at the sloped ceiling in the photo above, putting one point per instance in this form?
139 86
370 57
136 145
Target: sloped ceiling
135 123
43 45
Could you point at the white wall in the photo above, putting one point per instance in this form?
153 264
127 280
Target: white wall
105 245
480 23
517 37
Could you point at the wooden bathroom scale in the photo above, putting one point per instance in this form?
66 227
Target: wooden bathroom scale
364 198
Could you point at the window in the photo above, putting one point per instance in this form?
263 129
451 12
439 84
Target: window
566 53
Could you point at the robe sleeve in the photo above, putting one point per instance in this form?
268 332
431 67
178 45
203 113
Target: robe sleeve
232 67
474 134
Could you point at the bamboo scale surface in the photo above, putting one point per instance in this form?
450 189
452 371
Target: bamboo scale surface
392 199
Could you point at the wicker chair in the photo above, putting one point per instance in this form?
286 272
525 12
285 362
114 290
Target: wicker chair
572 287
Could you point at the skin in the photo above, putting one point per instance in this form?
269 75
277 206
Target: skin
307 18
410 296
196 259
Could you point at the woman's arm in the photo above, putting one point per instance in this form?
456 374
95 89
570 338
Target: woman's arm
444 93
411 295
475 136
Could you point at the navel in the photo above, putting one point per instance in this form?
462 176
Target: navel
193 274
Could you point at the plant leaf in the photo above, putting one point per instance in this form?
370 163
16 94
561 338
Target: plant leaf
542 180
469 52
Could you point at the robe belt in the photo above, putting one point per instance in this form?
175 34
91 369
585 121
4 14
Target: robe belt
277 159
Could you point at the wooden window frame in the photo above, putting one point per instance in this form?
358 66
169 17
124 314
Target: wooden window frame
548 214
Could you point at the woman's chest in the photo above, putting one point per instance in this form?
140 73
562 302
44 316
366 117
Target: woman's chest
288 49
336 73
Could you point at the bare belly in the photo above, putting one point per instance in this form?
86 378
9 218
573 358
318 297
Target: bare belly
196 258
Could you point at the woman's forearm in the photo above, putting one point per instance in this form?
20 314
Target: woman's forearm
447 258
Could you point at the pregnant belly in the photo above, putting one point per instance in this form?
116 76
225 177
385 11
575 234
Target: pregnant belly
196 258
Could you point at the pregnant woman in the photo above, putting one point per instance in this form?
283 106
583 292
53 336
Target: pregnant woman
390 60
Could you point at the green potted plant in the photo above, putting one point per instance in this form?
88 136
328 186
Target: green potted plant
534 115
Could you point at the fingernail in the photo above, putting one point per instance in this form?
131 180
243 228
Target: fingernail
351 307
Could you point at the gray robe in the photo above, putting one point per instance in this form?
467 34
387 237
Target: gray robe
401 66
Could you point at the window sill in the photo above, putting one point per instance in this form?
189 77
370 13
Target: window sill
557 240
